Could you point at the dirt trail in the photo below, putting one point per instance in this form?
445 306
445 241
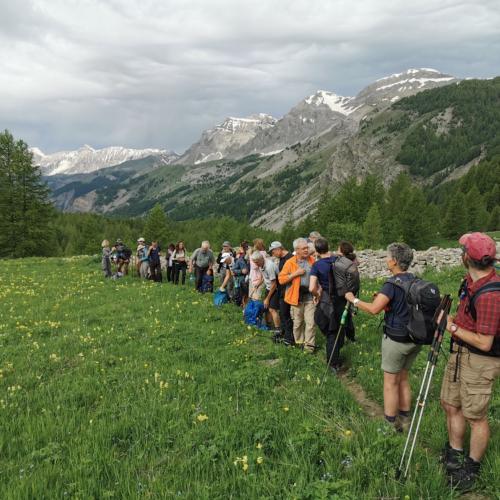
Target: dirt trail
370 407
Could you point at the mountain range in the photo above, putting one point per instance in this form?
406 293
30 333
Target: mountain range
268 170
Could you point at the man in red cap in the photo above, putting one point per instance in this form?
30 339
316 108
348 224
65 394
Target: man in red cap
474 362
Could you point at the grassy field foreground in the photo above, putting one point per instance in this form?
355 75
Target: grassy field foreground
129 389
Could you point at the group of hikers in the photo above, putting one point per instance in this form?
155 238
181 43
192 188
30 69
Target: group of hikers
295 292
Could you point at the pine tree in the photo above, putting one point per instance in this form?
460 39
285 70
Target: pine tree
25 210
477 215
494 220
156 228
372 228
419 227
455 220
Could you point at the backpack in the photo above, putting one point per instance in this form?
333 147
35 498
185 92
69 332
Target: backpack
422 299
220 298
492 286
345 276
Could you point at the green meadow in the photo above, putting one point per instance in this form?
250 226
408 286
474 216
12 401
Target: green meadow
130 389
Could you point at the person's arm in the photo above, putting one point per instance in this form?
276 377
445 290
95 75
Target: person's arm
314 287
227 277
270 294
375 307
285 276
475 339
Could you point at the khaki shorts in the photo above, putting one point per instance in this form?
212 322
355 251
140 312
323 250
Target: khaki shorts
474 383
397 356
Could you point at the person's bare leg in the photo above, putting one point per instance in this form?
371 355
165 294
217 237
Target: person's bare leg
404 391
456 424
479 437
391 394
276 317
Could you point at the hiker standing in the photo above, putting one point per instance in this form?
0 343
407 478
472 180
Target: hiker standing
320 286
240 272
474 361
142 258
398 350
170 263
202 259
295 275
106 259
278 251
179 259
154 254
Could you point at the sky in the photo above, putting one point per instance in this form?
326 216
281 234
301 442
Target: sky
157 73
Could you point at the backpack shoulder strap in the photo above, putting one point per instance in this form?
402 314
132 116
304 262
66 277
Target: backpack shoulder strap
488 288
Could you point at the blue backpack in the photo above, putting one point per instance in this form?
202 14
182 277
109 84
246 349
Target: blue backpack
253 314
220 298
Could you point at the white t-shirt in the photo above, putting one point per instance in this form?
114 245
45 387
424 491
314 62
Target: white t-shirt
269 272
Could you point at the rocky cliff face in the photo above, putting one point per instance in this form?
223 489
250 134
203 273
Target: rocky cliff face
224 139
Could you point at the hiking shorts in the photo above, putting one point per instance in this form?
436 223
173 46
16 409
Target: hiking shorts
471 389
397 356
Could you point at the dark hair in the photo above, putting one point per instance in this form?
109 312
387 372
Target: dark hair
347 250
177 246
244 244
171 246
482 264
321 245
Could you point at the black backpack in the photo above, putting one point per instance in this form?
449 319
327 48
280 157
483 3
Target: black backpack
493 286
422 298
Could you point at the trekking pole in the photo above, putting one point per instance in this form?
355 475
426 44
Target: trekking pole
418 412
343 322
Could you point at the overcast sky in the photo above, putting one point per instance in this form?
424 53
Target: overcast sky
155 73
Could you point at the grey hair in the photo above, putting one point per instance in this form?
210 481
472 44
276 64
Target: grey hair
205 243
314 234
257 256
402 254
298 242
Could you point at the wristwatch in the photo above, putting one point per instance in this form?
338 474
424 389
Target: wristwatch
355 302
453 328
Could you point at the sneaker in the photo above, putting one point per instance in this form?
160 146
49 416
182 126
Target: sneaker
452 459
464 478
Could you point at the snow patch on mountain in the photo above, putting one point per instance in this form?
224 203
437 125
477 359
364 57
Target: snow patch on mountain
337 103
87 159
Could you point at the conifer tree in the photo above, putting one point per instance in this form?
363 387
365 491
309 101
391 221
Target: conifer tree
156 227
372 228
25 210
455 220
494 219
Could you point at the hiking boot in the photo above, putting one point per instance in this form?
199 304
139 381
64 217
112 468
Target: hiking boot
464 478
404 422
452 459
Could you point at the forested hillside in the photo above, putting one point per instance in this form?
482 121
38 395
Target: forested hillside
435 136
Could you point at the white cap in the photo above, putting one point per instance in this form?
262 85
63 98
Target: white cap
141 240
274 245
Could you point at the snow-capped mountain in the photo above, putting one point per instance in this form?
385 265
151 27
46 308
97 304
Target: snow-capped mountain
220 141
87 159
391 88
319 113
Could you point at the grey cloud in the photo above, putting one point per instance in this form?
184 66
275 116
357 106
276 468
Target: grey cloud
155 73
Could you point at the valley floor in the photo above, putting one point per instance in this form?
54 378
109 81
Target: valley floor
129 389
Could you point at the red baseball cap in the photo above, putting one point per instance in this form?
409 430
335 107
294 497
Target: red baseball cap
478 245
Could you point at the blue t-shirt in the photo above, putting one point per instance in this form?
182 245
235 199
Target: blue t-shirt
397 315
321 269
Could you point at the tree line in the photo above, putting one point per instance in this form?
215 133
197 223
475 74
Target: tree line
364 212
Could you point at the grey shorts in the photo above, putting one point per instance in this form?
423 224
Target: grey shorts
397 356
